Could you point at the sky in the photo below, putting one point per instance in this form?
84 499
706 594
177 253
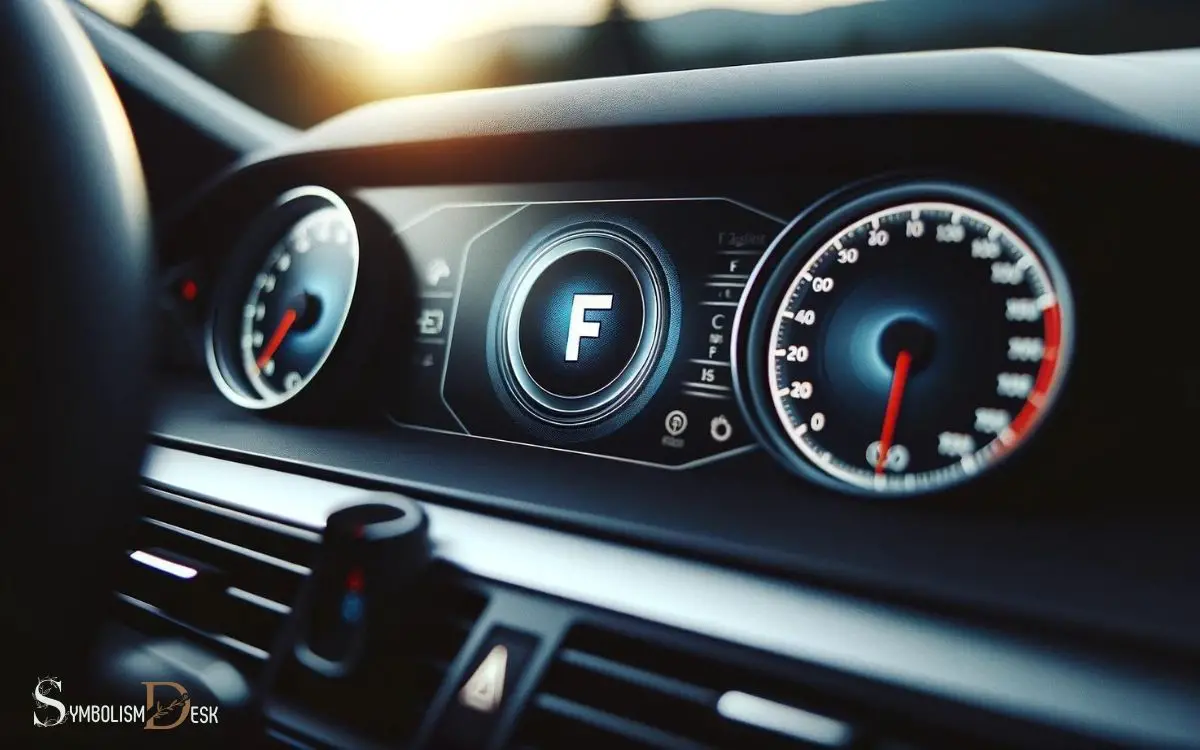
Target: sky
403 26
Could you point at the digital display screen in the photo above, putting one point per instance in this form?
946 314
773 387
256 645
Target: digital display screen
596 326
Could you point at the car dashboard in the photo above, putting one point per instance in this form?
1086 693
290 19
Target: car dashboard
806 404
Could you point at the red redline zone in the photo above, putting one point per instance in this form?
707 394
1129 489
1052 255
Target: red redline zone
1052 320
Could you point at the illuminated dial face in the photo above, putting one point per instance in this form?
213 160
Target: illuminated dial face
298 302
914 344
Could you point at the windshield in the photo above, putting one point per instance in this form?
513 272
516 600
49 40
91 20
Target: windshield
305 60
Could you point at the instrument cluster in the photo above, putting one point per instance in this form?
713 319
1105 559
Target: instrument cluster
895 338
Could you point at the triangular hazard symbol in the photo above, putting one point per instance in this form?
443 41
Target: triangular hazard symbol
484 691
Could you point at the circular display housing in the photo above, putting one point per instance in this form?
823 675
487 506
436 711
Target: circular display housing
581 328
285 299
906 342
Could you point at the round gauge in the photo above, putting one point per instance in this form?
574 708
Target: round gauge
904 343
285 300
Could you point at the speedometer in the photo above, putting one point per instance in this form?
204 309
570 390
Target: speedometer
908 341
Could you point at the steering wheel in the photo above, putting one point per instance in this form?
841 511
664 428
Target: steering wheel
76 329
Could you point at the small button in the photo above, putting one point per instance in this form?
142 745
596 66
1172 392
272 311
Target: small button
485 690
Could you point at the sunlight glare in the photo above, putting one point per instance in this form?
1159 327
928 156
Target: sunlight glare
124 12
386 26
229 16
406 26
661 8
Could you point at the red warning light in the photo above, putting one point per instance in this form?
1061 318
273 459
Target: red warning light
188 290
354 581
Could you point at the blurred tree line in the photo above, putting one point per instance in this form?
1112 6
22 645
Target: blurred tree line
303 80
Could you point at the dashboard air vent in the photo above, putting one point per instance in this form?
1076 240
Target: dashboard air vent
213 572
614 691
610 690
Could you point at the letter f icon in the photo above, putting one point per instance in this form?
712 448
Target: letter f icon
580 328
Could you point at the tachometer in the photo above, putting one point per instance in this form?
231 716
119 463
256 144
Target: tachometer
285 299
906 342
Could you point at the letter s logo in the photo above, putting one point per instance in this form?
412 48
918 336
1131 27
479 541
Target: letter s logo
45 700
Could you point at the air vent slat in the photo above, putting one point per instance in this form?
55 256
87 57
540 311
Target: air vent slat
603 729
617 671
633 693
248 623
229 577
438 633
620 691
225 545
273 578
269 537
151 620
259 601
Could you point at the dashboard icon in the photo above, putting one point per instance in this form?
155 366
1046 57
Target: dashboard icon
720 428
431 322
676 423
436 271
580 326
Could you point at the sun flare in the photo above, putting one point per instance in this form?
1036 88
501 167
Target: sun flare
400 27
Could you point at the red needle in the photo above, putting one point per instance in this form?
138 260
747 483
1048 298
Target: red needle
895 396
281 330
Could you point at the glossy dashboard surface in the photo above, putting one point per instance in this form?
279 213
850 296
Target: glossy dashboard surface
1083 528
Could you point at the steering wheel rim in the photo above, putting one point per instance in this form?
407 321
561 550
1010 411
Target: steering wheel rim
74 371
